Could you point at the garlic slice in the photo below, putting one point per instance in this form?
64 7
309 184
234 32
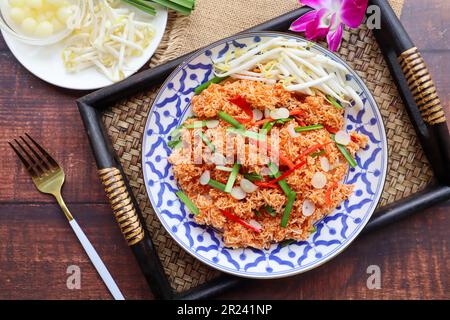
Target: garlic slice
319 180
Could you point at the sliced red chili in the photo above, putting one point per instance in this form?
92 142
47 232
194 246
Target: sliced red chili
263 121
311 150
286 173
234 218
296 113
243 120
264 184
331 129
243 104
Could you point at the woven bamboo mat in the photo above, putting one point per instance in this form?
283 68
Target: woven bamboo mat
408 172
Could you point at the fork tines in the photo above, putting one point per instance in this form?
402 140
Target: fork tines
38 164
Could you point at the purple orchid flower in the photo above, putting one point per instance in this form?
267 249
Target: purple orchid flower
328 19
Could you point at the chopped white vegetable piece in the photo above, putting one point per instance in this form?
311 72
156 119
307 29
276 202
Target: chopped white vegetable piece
248 186
324 164
319 180
205 177
44 29
223 168
280 113
356 98
238 193
255 224
257 115
308 208
219 159
292 132
342 137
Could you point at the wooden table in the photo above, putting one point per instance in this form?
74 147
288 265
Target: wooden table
37 246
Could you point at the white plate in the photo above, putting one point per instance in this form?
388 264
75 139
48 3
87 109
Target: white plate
46 63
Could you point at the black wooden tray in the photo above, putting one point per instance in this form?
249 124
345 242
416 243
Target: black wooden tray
415 87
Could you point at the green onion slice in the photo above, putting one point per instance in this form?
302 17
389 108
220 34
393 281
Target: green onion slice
227 118
173 143
205 85
196 124
176 132
333 102
316 154
270 211
232 178
288 209
207 142
347 155
276 174
309 128
269 125
248 134
253 176
216 184
352 162
183 197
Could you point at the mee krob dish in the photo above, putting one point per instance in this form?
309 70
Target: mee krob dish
265 152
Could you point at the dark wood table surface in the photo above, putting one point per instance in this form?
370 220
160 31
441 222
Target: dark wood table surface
37 245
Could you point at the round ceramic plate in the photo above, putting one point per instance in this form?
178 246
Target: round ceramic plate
334 233
45 62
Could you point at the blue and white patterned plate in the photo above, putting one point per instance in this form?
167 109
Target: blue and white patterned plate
334 233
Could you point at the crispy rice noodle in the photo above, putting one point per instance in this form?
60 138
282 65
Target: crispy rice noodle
210 201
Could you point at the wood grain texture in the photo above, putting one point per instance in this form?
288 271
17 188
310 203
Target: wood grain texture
37 245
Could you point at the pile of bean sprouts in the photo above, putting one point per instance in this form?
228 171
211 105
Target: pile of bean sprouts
291 63
106 35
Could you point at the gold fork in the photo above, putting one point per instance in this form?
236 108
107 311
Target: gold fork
48 177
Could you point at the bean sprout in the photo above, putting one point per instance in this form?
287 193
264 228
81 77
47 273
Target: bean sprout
107 36
291 64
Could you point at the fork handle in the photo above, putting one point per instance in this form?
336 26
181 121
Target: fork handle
96 261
